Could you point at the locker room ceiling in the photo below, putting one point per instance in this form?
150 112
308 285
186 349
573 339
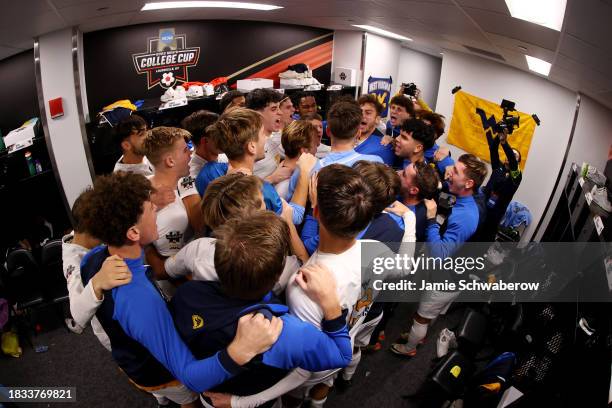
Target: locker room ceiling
581 53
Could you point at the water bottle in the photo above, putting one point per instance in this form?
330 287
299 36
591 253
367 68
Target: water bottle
30 162
38 166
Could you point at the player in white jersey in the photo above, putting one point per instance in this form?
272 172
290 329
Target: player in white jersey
266 102
176 223
298 137
230 196
84 301
130 134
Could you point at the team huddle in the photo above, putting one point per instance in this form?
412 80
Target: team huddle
229 273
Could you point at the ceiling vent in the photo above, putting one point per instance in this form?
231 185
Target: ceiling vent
484 52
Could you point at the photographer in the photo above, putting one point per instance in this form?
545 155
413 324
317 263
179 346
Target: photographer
505 180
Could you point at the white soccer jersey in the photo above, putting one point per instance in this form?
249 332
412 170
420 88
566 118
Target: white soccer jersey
173 222
346 268
266 166
196 163
145 168
198 258
83 300
322 151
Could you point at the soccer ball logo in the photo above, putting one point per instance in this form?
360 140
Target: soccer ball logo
168 79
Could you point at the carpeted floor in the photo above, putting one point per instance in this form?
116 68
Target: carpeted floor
80 361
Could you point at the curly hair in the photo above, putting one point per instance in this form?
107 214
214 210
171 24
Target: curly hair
115 205
258 99
127 126
421 132
160 140
80 209
436 120
228 98
229 196
372 100
404 102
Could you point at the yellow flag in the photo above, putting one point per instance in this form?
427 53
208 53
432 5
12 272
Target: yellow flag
473 116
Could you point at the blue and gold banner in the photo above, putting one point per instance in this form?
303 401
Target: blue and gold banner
381 87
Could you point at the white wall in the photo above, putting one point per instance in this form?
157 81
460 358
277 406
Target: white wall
553 104
65 133
590 144
347 52
423 70
381 60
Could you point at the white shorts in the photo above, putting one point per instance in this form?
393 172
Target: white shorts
362 338
179 394
433 302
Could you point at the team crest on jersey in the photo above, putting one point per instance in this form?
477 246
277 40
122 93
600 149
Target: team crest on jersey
362 306
174 239
197 321
167 60
187 182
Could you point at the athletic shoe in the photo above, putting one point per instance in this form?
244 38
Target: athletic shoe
371 348
595 176
342 385
600 198
169 95
208 89
404 337
400 349
446 340
195 91
180 92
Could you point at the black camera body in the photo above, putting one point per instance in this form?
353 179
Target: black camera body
508 121
446 201
409 89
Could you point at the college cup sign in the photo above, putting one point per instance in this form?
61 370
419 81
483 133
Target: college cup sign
167 60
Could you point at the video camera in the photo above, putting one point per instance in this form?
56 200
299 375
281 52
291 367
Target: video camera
409 89
508 121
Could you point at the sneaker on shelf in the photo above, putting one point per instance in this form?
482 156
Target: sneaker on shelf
600 199
446 340
208 89
180 92
595 176
169 95
195 91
